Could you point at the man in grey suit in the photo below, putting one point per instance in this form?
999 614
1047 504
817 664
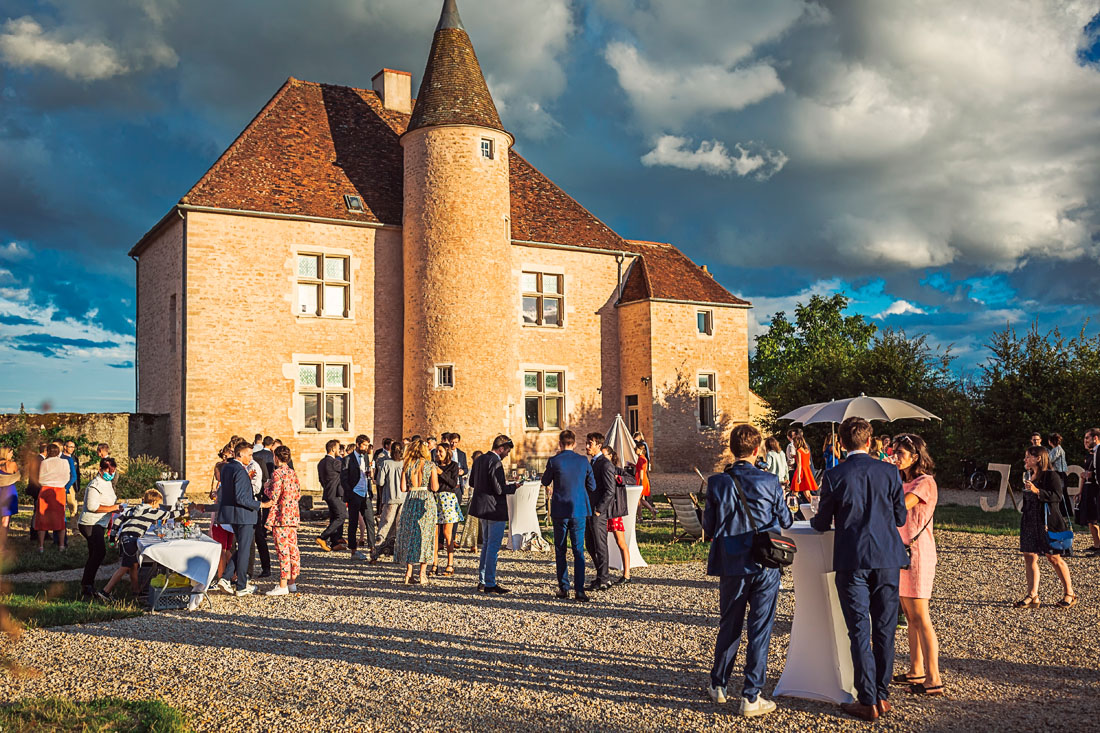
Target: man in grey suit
390 482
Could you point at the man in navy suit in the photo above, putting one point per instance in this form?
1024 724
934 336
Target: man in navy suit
865 497
239 508
745 585
569 480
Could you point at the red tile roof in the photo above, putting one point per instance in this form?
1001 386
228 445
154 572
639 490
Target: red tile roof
453 90
314 143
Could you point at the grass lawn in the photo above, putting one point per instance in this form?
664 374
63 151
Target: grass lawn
23 555
58 604
96 716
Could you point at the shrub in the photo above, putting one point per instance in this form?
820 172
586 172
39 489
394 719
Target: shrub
141 475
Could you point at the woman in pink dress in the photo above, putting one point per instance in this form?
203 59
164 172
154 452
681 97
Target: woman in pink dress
915 585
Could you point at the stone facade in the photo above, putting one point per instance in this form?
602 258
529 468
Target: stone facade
129 434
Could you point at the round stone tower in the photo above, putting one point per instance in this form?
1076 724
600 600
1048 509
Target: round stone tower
461 317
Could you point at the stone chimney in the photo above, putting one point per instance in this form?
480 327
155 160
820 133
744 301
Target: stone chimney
395 89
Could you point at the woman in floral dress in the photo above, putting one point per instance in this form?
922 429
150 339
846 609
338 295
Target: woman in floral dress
449 512
283 493
416 531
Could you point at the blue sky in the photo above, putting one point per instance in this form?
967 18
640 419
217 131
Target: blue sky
937 161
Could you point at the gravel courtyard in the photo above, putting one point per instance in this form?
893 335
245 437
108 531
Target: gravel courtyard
357 651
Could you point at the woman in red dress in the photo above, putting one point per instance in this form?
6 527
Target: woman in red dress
641 476
802 477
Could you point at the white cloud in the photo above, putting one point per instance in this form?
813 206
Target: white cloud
713 157
900 308
669 96
24 43
13 251
763 308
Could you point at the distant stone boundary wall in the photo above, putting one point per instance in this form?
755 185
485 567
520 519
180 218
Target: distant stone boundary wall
128 434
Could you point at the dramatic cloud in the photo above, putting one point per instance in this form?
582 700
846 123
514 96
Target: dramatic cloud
712 157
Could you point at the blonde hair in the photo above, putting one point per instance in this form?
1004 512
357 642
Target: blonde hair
6 453
152 497
416 452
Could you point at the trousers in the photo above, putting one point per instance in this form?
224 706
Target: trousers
490 550
337 515
595 540
286 545
869 602
360 506
740 598
387 528
97 550
238 561
569 531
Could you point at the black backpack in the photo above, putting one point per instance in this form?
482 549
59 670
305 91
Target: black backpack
770 549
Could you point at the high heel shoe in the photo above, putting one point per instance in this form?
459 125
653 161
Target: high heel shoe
1027 602
1068 601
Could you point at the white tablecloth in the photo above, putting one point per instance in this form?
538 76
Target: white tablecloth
195 559
172 491
615 558
522 517
819 659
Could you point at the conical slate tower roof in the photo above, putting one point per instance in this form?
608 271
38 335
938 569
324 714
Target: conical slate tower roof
453 89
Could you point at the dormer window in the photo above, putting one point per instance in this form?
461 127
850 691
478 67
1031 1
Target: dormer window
354 203
487 148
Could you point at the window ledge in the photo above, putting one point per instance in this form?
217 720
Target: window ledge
307 317
543 326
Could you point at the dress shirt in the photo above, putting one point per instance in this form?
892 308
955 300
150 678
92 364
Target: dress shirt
361 487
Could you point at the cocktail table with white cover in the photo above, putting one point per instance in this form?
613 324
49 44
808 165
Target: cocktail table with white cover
194 558
615 558
819 658
172 491
523 516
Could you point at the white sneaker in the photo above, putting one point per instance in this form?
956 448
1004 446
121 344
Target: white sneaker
293 588
279 590
195 602
225 586
753 709
247 590
718 694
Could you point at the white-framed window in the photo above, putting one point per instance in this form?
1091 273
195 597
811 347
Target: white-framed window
708 413
444 376
324 391
543 400
704 322
354 203
543 299
488 148
324 285
633 416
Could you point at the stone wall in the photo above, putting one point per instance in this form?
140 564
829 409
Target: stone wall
128 434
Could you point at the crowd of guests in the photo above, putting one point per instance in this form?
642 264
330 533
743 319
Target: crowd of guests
879 495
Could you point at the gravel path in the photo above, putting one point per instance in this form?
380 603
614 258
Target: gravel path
357 651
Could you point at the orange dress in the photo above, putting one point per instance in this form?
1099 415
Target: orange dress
641 474
803 479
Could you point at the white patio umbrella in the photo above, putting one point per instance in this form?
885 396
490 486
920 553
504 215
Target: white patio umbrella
869 408
620 440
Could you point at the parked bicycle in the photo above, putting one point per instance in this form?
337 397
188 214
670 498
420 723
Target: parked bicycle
974 478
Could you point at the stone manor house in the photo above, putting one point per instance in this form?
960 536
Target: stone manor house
359 261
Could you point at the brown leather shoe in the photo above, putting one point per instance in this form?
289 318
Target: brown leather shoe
859 710
884 707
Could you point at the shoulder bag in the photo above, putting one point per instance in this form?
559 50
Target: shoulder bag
770 549
1059 541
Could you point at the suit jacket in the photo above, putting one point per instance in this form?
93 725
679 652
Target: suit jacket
573 480
490 489
865 497
380 456
727 524
349 477
604 472
236 503
266 459
328 472
460 459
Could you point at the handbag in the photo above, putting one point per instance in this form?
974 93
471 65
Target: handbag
909 547
1059 541
770 549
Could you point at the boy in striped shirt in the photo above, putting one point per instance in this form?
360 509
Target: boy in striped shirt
135 523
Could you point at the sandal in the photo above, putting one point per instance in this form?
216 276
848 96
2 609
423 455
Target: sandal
434 570
922 690
906 679
1068 601
448 571
1027 602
